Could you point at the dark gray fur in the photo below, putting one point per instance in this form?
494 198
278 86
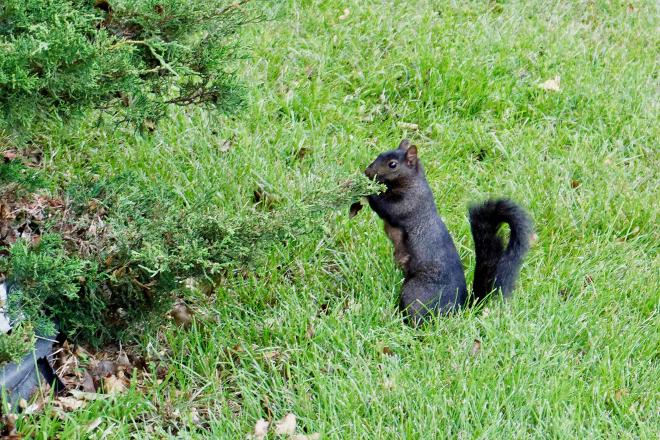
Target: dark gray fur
434 278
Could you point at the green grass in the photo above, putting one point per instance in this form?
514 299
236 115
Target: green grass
575 354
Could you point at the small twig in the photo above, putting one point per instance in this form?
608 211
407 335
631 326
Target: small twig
158 56
123 42
45 339
232 6
197 97
162 60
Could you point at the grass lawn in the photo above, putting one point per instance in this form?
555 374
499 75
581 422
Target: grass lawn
313 329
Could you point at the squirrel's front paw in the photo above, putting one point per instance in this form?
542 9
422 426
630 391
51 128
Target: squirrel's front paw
355 208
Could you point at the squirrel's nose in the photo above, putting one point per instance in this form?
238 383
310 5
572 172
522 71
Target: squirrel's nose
369 172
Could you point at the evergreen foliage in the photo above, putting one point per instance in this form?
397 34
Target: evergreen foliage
113 258
51 283
129 58
14 345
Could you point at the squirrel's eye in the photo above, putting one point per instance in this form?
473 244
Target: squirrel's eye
392 164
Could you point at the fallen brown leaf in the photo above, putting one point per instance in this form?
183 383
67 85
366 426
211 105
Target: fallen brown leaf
315 436
260 429
88 382
620 394
9 155
271 355
181 314
34 408
265 405
40 398
552 85
105 368
408 126
149 124
302 152
114 385
234 407
476 347
122 361
346 184
82 395
8 426
310 331
264 198
68 403
631 234
286 426
93 425
225 145
194 416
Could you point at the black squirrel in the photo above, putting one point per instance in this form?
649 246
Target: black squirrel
434 278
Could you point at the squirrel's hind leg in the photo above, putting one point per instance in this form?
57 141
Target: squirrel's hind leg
417 301
422 298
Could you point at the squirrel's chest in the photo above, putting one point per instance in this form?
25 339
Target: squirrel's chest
390 207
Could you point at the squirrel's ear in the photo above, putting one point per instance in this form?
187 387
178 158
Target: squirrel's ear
404 145
411 156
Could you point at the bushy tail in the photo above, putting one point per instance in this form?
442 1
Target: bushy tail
498 267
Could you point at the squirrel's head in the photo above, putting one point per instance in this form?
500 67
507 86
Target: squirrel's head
395 166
